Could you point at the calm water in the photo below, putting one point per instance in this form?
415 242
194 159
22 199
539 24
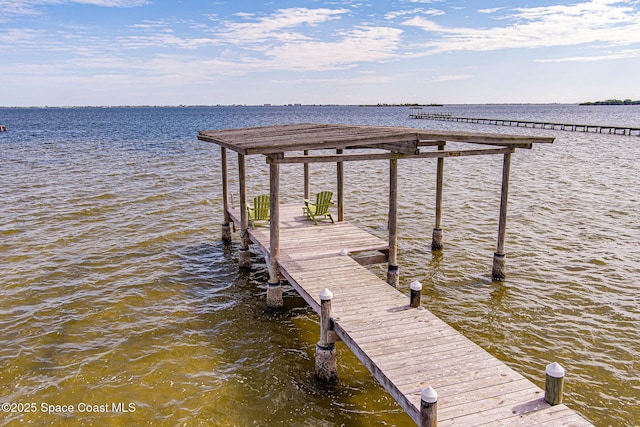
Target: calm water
118 299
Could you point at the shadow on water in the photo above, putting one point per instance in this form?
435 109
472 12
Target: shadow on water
266 357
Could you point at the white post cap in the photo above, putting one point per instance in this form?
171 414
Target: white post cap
416 286
429 395
555 370
344 252
326 295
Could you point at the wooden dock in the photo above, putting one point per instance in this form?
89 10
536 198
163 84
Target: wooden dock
406 349
613 130
409 350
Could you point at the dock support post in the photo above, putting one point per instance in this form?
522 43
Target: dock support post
392 270
306 177
244 256
274 288
437 239
226 227
498 272
326 361
428 408
340 185
416 291
554 384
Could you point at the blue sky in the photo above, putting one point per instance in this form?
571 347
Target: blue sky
157 52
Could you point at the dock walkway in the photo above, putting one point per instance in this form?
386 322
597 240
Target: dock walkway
613 130
406 349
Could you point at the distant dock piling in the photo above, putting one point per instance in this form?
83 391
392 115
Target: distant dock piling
612 130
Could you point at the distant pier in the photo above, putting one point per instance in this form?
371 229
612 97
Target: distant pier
613 130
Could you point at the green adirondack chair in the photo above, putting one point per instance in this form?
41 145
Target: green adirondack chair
260 210
319 209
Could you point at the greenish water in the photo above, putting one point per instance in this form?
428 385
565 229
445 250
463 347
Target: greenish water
119 301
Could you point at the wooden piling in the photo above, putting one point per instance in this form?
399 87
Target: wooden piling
554 384
226 227
437 237
392 270
274 288
498 271
340 185
326 360
428 407
416 291
306 177
244 256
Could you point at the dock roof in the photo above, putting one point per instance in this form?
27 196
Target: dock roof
312 136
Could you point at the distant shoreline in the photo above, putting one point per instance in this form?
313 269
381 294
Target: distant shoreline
399 105
612 102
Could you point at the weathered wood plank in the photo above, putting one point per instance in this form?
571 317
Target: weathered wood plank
469 408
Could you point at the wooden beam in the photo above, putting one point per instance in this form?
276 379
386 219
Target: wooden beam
386 156
405 147
371 259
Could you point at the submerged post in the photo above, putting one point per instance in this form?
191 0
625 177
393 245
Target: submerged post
326 362
498 271
274 288
226 227
244 256
392 270
428 408
554 384
437 239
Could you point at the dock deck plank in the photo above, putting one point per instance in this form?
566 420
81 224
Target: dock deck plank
406 349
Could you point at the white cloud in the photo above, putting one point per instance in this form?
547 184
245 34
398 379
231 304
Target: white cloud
286 40
366 44
27 6
492 10
610 21
276 26
108 3
420 11
623 54
166 39
13 8
452 77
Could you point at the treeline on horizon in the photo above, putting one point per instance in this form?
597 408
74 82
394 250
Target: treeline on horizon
612 102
